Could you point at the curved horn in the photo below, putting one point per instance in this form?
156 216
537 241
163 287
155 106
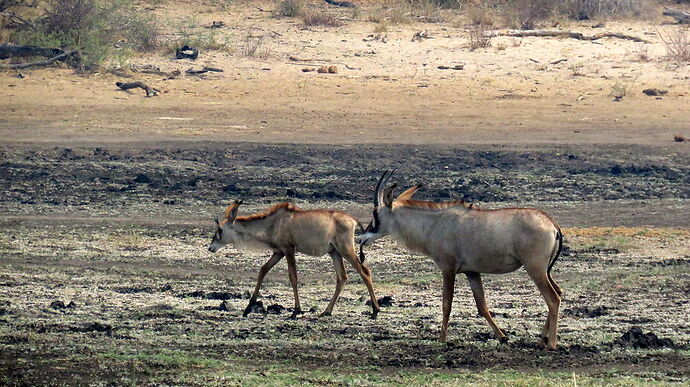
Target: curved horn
378 196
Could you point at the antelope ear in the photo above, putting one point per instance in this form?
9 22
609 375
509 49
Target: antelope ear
388 196
409 192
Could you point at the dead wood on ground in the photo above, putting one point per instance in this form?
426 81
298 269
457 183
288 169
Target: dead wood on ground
150 91
568 34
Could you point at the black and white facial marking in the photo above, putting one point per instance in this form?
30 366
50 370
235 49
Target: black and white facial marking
373 230
217 238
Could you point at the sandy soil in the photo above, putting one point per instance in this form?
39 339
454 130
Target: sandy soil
507 93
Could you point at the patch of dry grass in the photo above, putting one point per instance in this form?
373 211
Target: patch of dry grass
312 17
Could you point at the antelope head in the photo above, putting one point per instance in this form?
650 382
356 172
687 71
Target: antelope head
383 221
225 228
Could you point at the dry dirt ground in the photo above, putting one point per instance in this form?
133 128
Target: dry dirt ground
107 201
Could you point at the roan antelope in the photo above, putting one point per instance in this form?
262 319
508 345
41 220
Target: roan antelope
285 230
463 239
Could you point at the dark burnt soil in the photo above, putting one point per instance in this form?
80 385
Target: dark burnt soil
169 174
72 294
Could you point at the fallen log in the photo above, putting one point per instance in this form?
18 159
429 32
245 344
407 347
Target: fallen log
680 16
204 70
568 34
150 91
61 57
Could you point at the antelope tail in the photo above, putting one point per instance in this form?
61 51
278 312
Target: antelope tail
559 236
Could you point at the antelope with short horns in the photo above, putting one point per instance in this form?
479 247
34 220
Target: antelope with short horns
285 230
460 238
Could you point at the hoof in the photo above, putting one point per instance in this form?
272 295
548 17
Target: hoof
325 314
374 314
503 339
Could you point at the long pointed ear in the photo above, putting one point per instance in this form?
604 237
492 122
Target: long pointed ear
388 196
231 211
409 192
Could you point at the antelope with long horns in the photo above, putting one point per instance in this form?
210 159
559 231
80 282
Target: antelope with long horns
285 230
463 239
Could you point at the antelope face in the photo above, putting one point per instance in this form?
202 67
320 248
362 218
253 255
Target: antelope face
225 229
382 222
379 226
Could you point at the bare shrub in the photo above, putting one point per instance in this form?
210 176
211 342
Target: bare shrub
526 14
588 9
381 30
479 14
312 17
677 44
288 8
426 10
392 13
642 53
478 36
251 44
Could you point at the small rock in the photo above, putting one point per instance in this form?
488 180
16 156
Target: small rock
224 306
308 69
679 138
383 301
275 309
57 305
141 178
332 70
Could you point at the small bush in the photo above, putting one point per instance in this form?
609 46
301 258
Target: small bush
478 37
479 14
677 44
255 46
588 9
312 17
99 30
288 8
526 14
381 29
426 10
187 34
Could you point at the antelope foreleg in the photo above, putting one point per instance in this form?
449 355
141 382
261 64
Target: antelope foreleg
475 281
448 292
275 258
292 273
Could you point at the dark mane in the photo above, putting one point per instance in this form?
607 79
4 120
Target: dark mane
265 214
435 206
